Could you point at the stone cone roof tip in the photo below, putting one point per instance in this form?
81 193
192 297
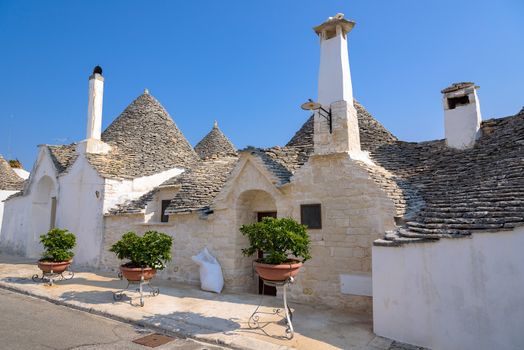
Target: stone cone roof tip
215 144
9 180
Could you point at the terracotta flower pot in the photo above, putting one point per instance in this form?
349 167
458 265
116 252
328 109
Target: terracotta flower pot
134 273
279 272
56 267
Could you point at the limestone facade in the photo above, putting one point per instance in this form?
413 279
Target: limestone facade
355 212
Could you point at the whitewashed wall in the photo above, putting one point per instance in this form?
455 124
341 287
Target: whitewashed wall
24 174
452 294
118 191
3 196
21 228
80 210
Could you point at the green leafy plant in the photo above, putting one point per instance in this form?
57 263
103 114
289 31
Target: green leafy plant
58 244
153 249
15 163
277 238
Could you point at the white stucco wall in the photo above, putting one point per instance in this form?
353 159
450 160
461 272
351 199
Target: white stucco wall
23 220
118 191
334 77
462 123
24 174
80 210
3 196
452 294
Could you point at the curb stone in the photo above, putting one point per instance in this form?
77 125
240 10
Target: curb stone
240 343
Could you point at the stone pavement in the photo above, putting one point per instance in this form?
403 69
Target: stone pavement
189 312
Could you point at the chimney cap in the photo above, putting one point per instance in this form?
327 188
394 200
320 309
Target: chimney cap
459 86
97 70
332 22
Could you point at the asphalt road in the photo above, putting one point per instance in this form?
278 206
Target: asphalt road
28 323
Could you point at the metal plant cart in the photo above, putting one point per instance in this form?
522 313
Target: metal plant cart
153 291
51 277
254 321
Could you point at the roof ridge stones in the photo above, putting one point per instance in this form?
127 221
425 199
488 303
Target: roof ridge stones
215 144
9 180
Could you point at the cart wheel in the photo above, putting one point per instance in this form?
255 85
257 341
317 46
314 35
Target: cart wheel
155 292
141 302
35 277
117 296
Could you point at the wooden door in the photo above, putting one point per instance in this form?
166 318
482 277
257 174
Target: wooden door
262 289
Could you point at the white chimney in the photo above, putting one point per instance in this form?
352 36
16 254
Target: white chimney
93 142
462 116
335 92
94 107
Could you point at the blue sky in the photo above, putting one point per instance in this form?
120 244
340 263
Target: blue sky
248 64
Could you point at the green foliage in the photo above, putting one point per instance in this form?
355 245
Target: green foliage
15 163
277 238
58 245
153 249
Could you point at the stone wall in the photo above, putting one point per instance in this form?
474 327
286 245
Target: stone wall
191 233
355 212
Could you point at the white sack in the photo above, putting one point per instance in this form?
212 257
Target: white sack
211 278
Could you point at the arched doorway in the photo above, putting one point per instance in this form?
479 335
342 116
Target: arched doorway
252 206
252 203
43 213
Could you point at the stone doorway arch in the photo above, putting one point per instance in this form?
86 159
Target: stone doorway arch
252 202
43 213
251 206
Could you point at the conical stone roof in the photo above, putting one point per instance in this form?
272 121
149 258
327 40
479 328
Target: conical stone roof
9 181
372 133
145 141
215 144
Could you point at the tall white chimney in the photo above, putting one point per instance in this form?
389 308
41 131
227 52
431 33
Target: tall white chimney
462 116
335 92
93 142
94 107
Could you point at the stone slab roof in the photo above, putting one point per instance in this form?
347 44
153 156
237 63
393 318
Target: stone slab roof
9 180
198 187
464 191
215 144
284 161
63 156
144 141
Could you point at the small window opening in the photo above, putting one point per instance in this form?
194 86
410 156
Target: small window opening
311 215
164 217
458 101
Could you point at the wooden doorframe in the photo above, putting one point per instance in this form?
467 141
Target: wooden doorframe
52 221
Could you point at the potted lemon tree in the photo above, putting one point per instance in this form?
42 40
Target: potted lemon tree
285 244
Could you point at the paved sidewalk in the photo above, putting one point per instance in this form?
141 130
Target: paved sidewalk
187 311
